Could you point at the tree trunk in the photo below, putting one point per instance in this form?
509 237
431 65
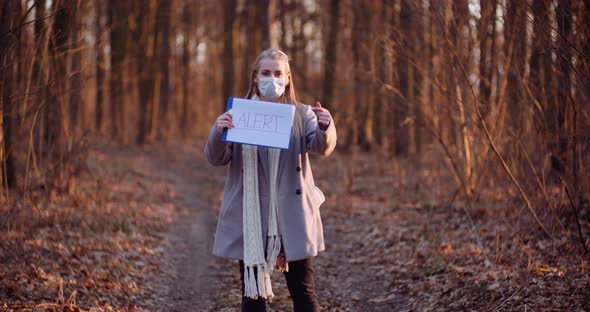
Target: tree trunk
404 100
264 23
493 70
155 75
434 64
228 51
117 21
40 13
486 35
541 67
163 25
459 33
253 39
368 118
446 119
58 130
39 73
303 62
584 91
186 69
515 44
9 19
382 103
358 31
100 67
20 49
75 77
564 57
331 55
145 68
362 114
283 23
417 48
582 140
297 51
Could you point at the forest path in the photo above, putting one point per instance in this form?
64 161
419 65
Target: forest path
188 242
194 280
393 243
355 273
191 279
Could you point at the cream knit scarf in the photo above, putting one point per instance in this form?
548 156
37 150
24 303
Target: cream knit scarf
257 268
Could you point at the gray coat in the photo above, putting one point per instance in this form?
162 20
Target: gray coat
299 199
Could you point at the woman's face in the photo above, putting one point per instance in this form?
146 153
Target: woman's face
272 68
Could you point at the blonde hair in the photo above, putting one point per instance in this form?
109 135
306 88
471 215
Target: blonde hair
274 54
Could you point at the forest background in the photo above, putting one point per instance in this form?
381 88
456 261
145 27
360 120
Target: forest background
488 101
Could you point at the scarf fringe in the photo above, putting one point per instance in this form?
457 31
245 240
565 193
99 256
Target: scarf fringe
257 282
273 248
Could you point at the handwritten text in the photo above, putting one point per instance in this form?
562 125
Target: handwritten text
258 121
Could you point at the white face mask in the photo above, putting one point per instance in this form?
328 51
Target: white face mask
271 88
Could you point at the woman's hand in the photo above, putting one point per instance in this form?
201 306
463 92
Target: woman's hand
323 115
282 265
224 121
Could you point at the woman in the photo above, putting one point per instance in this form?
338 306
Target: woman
270 198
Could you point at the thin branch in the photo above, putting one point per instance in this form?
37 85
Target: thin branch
576 215
555 30
495 149
23 23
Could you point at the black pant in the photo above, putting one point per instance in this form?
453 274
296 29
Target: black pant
301 287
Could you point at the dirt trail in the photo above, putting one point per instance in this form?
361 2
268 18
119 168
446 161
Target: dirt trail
193 280
191 244
392 244
183 281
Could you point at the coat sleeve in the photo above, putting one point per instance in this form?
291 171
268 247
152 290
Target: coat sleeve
319 141
218 153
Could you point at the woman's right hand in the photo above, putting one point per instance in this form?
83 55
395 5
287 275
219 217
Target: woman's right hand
224 121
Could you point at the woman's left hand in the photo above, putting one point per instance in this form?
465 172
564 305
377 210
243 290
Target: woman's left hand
323 115
282 265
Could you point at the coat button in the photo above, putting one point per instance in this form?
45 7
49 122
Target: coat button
298 168
298 191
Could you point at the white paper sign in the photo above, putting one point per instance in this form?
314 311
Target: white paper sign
260 123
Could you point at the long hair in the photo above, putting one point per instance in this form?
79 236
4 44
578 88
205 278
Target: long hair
275 54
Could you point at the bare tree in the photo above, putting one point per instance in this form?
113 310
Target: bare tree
163 26
331 54
252 38
405 81
75 100
8 25
358 30
264 20
383 69
564 57
117 21
146 67
39 71
100 67
515 51
58 130
487 38
228 51
187 16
